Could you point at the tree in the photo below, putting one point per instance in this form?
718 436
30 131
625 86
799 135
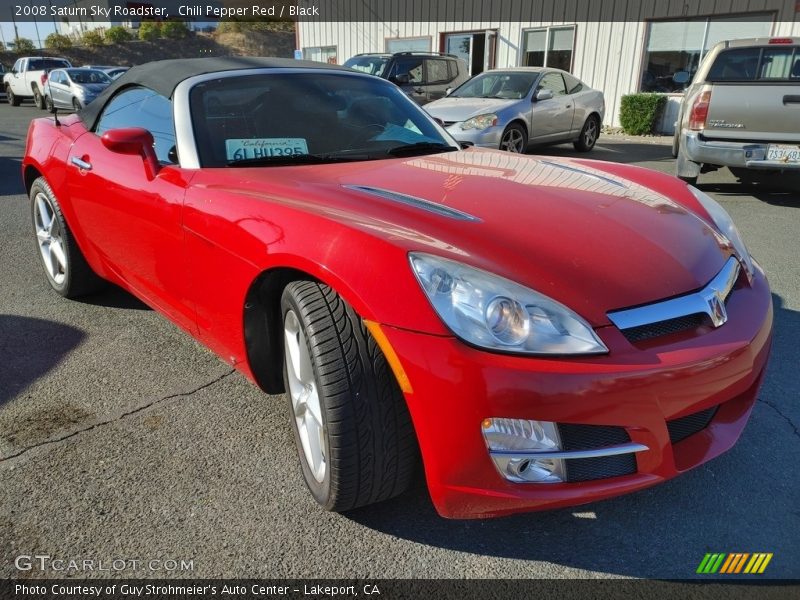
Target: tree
23 45
149 30
175 30
118 34
92 38
58 41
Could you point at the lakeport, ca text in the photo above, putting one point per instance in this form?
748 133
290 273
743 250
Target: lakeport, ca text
139 591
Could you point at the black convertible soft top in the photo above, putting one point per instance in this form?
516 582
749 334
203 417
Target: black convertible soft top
163 76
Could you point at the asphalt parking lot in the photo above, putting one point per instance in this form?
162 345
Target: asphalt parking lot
120 437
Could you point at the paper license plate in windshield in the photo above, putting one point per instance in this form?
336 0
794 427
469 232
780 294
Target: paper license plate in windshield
782 153
242 149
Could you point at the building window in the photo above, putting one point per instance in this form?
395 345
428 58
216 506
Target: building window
674 46
326 54
420 44
548 47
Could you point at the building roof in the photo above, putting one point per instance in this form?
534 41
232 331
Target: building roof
163 76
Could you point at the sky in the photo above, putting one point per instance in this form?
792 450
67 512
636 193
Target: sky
26 30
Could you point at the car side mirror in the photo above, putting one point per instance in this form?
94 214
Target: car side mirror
681 77
448 91
544 95
134 141
402 78
13 71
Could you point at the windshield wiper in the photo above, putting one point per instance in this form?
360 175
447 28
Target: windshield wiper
420 148
295 159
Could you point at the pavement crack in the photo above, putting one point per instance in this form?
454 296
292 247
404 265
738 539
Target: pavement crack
785 417
117 417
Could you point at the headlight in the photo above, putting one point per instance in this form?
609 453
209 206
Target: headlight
492 312
480 122
724 224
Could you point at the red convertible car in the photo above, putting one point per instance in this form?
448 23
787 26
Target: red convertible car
539 332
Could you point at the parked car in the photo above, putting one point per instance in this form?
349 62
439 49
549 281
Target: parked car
512 108
2 73
542 331
115 72
73 88
28 76
742 110
424 76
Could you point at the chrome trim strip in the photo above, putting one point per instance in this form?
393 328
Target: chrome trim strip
420 203
710 301
80 163
628 448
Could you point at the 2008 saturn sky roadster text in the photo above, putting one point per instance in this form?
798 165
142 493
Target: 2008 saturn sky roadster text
542 331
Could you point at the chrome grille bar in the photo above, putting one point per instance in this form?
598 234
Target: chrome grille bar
710 301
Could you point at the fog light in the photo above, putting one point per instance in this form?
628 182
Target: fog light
518 448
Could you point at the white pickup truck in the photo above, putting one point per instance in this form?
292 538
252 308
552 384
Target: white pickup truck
26 78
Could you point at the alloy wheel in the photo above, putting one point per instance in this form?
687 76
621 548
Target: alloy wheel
512 141
50 240
304 394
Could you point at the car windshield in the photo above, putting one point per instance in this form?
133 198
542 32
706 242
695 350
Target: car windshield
500 84
252 120
374 65
87 76
46 64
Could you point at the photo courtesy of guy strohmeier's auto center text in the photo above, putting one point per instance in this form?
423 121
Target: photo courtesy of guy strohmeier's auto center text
322 299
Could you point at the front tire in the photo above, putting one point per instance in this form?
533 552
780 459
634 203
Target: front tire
76 105
66 269
12 98
349 418
589 134
514 139
48 104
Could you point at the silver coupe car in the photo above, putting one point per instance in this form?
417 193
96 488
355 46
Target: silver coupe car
512 108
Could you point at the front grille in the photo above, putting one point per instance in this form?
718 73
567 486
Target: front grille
590 437
680 429
653 330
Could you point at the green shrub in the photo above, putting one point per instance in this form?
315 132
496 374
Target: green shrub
118 34
58 41
149 30
639 113
174 30
23 46
92 38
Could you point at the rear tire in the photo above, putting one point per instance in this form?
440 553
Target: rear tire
66 269
12 98
38 100
48 104
589 134
350 421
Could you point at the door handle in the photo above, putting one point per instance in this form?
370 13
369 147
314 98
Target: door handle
791 100
81 164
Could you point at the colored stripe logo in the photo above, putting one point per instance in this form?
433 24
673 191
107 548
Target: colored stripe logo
735 562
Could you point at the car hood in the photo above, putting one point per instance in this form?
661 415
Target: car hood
461 109
586 233
92 88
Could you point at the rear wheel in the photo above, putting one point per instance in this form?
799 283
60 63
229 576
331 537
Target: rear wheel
514 139
38 100
349 418
589 134
67 270
13 100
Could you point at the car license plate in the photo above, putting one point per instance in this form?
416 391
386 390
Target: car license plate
782 153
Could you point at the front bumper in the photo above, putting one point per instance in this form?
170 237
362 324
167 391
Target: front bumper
482 138
639 389
731 154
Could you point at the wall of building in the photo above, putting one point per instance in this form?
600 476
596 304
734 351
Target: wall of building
607 53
